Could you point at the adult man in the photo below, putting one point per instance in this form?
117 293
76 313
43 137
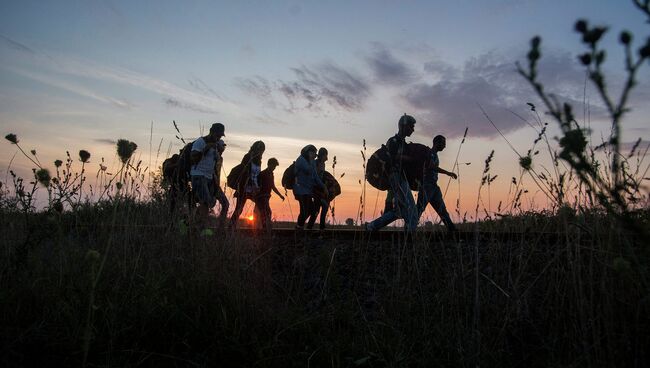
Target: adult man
266 181
402 204
204 156
430 191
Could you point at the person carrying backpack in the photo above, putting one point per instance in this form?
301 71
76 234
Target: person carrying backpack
321 203
247 183
306 181
266 181
401 203
204 156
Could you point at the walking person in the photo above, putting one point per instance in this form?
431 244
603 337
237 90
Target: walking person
430 192
204 157
266 180
400 202
321 201
306 180
248 185
219 194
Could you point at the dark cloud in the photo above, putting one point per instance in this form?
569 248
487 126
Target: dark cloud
387 69
314 89
106 141
491 81
174 103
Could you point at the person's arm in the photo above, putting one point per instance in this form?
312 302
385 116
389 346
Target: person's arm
448 173
277 191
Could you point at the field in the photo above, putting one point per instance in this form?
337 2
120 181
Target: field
118 284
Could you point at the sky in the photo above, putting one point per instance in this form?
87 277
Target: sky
82 74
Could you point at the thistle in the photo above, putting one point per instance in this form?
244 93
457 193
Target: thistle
125 149
43 177
84 156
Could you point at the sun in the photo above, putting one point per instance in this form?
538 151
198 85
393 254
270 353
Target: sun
250 218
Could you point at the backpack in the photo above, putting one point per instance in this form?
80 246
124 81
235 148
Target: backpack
332 185
233 180
289 176
376 170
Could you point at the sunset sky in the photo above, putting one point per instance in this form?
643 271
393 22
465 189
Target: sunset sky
81 74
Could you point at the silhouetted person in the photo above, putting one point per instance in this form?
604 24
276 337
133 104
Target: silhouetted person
402 204
430 191
321 202
204 156
248 186
219 195
266 181
306 181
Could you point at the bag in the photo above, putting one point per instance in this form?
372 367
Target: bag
414 170
289 176
376 170
235 177
332 185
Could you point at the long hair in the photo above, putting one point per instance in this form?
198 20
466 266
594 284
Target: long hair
254 154
305 151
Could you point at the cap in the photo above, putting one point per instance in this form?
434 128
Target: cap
218 128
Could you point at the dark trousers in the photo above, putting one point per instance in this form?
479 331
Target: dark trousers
263 211
239 207
307 207
320 205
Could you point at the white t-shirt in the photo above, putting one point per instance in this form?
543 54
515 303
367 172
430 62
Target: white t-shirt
205 167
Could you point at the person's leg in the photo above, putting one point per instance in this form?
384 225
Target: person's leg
405 203
389 214
239 207
438 204
305 209
324 207
223 202
314 213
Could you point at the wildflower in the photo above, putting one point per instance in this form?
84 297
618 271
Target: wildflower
58 163
12 138
43 177
118 185
33 152
581 26
625 38
585 58
125 149
84 156
525 162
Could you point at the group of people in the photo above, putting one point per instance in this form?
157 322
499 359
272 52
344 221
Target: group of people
253 183
399 199
308 184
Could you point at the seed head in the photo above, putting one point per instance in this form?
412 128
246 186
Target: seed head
625 38
581 26
43 177
585 59
125 149
525 162
12 138
58 163
84 156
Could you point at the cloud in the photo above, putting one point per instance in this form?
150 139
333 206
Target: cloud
451 103
16 45
204 99
72 87
105 141
387 69
174 103
314 89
